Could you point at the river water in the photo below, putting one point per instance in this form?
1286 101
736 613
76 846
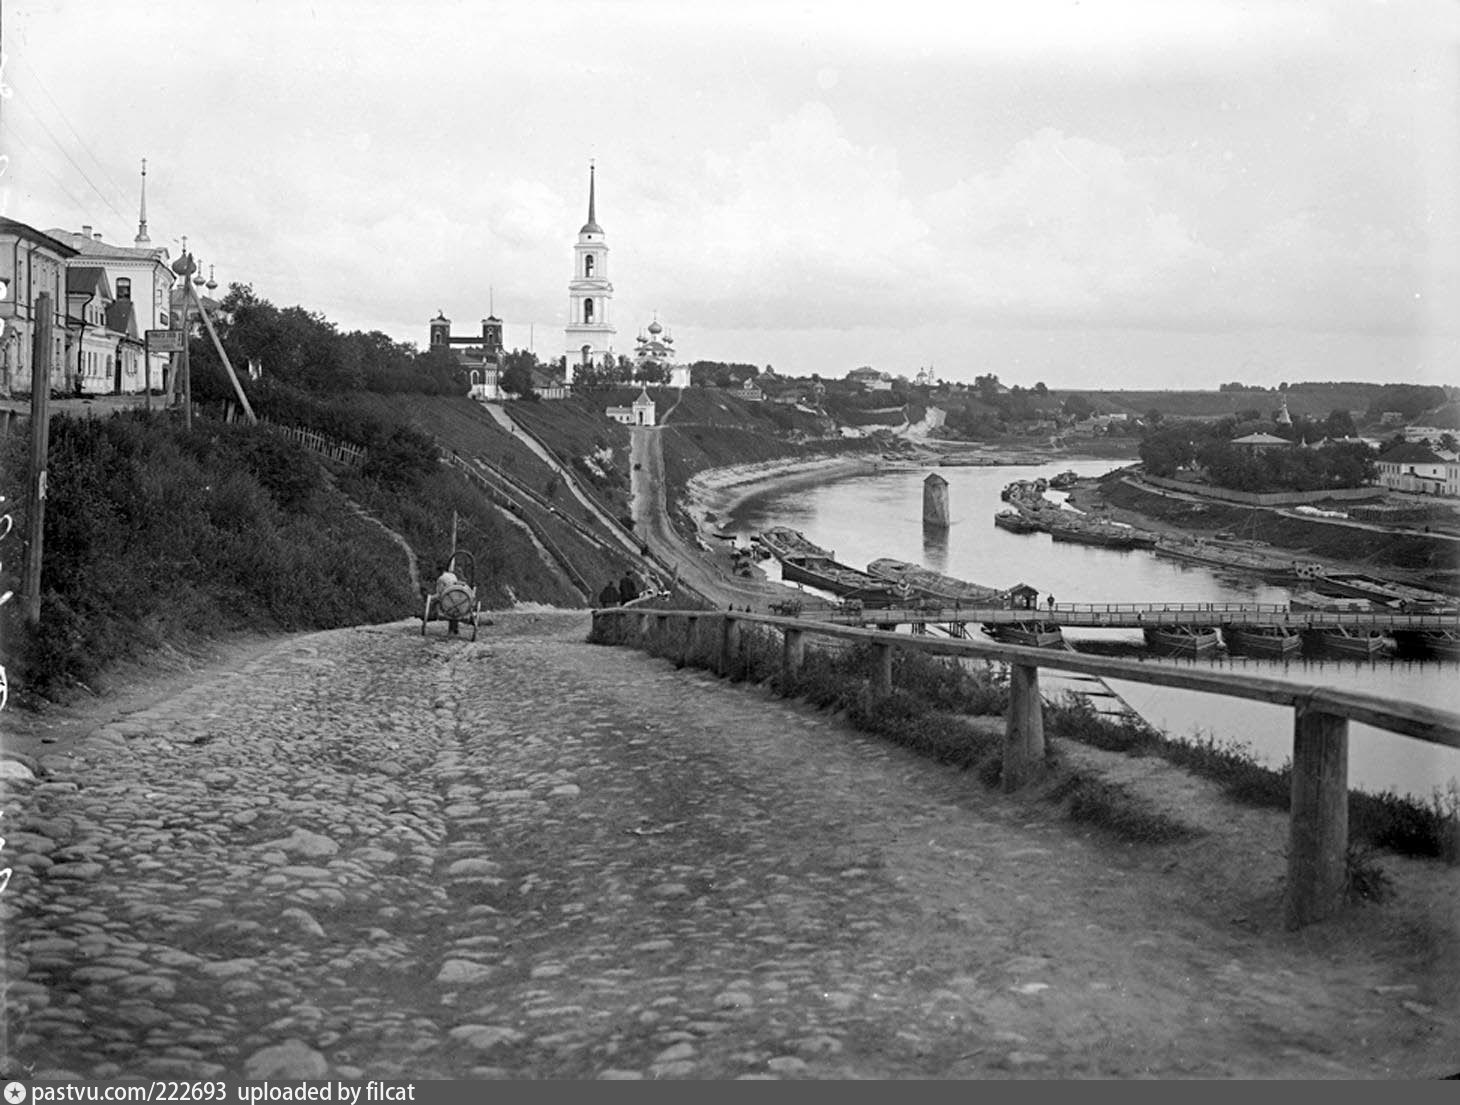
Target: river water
863 517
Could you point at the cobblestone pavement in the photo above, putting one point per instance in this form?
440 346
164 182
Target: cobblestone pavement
368 854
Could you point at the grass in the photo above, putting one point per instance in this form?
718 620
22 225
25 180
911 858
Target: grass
934 701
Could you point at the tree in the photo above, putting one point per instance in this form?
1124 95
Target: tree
1448 442
1078 406
517 369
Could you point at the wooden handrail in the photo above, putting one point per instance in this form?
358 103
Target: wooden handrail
1318 818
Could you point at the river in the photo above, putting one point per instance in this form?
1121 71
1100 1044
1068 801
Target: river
863 517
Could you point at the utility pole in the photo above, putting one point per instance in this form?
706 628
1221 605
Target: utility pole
185 268
40 428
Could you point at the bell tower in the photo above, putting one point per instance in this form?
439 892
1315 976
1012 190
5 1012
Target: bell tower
589 335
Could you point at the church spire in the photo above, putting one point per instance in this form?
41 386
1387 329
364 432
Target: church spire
141 239
591 226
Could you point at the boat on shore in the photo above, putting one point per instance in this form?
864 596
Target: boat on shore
1104 534
923 583
803 561
1016 522
1182 639
1340 640
1039 634
1262 640
1200 551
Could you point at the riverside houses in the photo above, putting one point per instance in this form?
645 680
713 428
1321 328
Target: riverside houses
1417 468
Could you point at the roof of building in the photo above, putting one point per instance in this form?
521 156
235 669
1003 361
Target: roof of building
31 234
591 226
89 246
1411 452
121 318
87 280
1261 439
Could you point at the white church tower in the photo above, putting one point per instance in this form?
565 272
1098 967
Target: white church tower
590 325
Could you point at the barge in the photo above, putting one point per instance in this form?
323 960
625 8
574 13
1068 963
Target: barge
802 561
924 583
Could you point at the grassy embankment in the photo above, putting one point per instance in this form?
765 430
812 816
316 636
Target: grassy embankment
160 537
954 715
1417 555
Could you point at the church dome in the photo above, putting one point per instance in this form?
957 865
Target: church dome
655 328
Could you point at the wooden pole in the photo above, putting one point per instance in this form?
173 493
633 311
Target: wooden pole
40 429
882 672
793 651
218 345
1023 728
729 645
1318 826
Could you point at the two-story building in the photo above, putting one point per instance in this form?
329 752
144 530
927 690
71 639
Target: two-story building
91 349
139 274
31 262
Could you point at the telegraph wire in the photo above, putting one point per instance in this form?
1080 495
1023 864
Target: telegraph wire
36 159
66 154
36 77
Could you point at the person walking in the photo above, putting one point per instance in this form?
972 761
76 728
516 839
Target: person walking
628 590
609 595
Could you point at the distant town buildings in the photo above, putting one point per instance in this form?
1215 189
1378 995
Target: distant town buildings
1417 468
589 334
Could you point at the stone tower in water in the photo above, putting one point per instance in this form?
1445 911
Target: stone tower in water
935 500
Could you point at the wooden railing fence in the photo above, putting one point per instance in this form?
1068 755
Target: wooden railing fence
1318 819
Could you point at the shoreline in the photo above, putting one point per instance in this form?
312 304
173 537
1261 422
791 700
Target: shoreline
715 492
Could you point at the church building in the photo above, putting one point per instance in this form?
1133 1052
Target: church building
656 349
481 358
589 334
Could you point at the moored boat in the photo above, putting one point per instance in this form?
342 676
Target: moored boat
1443 644
1016 522
1340 640
1312 600
1262 640
803 561
1037 633
924 583
1182 639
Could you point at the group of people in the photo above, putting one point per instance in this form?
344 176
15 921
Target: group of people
625 592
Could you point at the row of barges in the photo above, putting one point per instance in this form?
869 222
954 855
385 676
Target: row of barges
889 582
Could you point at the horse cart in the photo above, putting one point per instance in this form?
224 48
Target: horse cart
455 602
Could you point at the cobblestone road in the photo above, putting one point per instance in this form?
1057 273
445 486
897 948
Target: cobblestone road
365 854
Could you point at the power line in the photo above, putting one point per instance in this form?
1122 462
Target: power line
37 160
66 154
36 77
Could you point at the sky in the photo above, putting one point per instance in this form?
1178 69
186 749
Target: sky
1087 193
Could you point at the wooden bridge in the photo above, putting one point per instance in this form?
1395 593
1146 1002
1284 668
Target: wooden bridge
1138 615
1318 838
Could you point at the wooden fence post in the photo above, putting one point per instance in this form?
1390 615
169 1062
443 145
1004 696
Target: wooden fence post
793 651
881 671
729 645
1023 728
1318 827
682 638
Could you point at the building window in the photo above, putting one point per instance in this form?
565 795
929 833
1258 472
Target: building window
588 312
588 265
124 288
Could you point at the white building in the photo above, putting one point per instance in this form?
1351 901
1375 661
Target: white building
640 414
30 263
139 273
589 335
